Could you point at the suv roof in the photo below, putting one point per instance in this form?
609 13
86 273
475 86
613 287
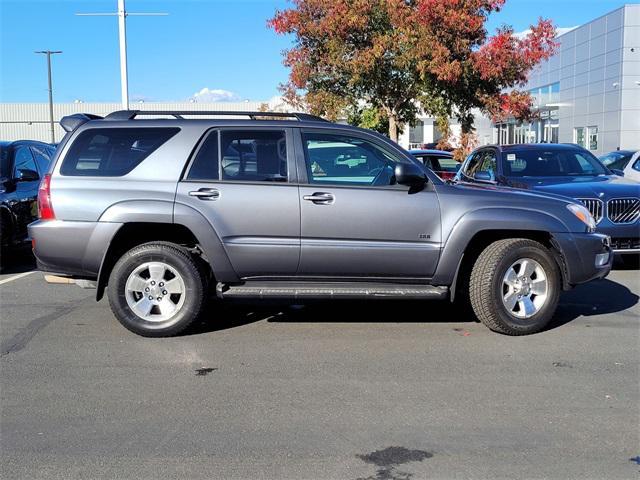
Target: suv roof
71 122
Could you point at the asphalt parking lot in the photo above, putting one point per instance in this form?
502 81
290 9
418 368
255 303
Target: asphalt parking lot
370 390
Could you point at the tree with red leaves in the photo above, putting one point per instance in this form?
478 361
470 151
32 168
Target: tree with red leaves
400 56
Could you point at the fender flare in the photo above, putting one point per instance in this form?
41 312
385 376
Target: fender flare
159 211
486 220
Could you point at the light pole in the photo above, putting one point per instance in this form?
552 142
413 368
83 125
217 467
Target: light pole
122 15
48 53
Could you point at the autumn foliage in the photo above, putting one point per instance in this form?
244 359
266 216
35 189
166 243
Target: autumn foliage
399 56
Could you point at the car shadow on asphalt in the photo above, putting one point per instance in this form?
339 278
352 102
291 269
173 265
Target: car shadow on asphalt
599 297
17 260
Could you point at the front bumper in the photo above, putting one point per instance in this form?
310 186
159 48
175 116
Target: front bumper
586 256
625 237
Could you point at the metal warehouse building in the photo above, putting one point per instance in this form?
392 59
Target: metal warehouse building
31 120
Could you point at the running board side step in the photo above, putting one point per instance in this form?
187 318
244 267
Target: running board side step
347 290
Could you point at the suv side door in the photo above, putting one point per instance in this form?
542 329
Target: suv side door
243 181
355 221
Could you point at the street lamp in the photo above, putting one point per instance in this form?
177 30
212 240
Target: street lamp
122 15
48 53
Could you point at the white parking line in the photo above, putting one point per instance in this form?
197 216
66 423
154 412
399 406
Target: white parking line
16 277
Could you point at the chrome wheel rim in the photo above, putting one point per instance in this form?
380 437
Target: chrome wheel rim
155 291
525 288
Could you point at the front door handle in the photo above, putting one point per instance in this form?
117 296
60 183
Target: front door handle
206 193
320 198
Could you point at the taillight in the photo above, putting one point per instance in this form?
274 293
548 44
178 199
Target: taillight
45 209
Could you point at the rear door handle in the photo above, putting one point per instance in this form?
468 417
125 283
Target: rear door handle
206 193
320 198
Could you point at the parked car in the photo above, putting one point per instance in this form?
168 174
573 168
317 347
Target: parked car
441 162
161 212
632 169
22 164
618 160
567 170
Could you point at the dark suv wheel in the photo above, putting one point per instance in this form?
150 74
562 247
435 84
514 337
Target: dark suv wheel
157 289
515 286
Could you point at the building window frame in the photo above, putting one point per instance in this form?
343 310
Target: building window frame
592 137
579 136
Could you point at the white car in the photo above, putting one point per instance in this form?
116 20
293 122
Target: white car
632 170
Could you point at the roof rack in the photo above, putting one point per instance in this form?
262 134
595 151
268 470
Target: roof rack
131 114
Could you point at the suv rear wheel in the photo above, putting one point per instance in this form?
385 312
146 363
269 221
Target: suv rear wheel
157 289
515 286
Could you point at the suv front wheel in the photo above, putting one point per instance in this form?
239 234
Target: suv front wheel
515 286
156 289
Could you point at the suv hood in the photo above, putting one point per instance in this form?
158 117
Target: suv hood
602 186
516 193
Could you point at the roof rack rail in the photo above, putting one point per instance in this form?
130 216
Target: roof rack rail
131 114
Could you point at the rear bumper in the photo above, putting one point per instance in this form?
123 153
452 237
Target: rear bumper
74 249
580 252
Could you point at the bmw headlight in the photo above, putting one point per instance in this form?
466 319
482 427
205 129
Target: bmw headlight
583 215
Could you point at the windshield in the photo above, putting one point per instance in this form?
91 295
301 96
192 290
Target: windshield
4 161
551 163
613 157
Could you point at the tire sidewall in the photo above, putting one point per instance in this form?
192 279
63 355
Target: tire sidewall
194 290
540 319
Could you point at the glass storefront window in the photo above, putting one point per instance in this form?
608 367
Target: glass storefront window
593 138
578 136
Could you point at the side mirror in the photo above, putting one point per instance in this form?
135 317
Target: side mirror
617 172
27 175
483 177
410 175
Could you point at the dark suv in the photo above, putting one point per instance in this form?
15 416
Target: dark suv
22 164
569 170
164 211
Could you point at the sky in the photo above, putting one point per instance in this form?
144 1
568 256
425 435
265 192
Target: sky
210 50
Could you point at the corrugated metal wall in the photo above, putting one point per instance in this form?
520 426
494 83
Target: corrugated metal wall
30 121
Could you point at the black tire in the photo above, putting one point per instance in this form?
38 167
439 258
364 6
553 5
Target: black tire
194 285
486 287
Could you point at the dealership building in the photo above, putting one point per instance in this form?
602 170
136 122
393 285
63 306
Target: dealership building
587 93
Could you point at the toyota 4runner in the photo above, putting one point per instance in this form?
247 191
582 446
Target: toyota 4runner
166 210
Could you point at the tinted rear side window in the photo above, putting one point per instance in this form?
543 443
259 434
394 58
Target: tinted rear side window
205 165
112 152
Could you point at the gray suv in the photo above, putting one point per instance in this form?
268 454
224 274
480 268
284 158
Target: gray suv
165 211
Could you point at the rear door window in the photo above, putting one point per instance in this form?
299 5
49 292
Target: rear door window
113 152
254 155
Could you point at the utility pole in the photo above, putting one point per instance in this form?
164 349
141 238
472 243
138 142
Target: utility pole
122 15
48 53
